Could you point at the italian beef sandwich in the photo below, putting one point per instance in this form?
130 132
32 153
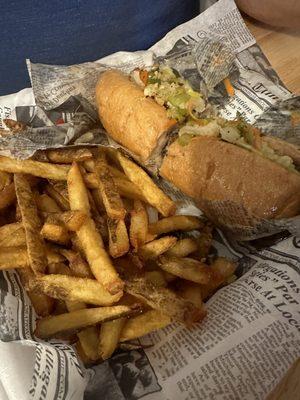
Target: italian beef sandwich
208 158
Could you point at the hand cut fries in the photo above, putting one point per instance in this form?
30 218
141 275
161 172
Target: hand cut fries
90 239
183 248
186 268
175 223
143 324
84 210
88 337
191 291
35 168
89 340
118 237
71 288
55 233
5 179
7 196
75 320
17 257
12 235
156 278
45 203
59 193
126 188
67 156
35 244
110 196
152 250
155 196
58 268
72 220
42 304
138 225
222 269
109 337
164 300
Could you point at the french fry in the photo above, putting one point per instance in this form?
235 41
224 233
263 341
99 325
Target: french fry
60 308
222 269
18 215
5 179
81 354
77 264
17 257
58 268
72 220
138 225
175 223
152 250
155 196
183 248
156 278
143 324
42 304
99 216
55 233
169 277
51 326
88 337
58 191
109 336
191 291
45 203
32 225
7 196
128 189
96 195
125 187
67 156
12 235
111 199
186 268
89 165
90 239
118 237
75 305
14 126
205 240
64 287
35 168
164 300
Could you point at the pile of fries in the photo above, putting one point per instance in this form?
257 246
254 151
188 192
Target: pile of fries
97 246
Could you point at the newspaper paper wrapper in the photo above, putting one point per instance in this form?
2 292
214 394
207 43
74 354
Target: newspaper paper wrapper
251 336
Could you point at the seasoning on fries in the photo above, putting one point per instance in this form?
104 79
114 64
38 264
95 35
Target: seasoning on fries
97 272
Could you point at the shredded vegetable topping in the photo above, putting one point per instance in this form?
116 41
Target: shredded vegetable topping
175 93
236 132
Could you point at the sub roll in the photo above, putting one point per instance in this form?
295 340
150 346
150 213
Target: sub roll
136 122
209 158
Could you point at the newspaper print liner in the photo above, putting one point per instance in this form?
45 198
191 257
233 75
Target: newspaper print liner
51 374
82 126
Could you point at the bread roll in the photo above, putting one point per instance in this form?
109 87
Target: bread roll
210 169
136 122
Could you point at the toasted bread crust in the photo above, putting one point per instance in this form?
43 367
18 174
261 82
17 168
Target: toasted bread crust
131 119
210 169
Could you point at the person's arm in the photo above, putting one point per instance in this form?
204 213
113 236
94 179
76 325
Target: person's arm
282 13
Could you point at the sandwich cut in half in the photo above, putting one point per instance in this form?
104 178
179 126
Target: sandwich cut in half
209 158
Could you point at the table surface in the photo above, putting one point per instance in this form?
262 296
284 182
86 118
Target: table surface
282 48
